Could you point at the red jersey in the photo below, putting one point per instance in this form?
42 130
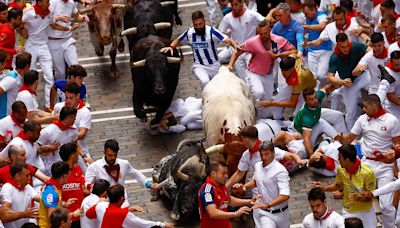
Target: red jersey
213 193
5 174
7 43
74 189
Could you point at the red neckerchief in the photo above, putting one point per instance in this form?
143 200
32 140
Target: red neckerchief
391 38
396 16
55 183
377 2
81 104
351 14
238 15
27 88
17 186
297 9
326 215
383 55
15 121
390 66
209 180
293 79
113 171
61 126
354 168
16 6
345 26
65 1
378 114
40 11
339 53
22 135
329 163
255 148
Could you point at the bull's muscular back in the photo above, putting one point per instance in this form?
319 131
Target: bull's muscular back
227 105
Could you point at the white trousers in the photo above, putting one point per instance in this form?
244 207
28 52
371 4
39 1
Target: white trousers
349 97
63 52
284 94
266 219
40 53
262 88
382 92
212 10
318 61
330 123
384 174
368 218
240 64
205 73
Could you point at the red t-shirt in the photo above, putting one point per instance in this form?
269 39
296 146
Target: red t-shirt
74 188
5 174
7 42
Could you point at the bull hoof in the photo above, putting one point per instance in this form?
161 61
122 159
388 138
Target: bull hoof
174 216
154 198
121 46
114 72
144 120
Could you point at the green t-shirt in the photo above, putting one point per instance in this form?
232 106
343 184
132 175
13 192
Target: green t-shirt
308 117
345 65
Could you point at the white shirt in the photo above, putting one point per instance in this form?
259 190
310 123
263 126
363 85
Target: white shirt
29 100
376 134
387 188
83 120
52 134
246 163
330 150
131 220
87 203
372 62
61 8
393 88
328 6
267 129
32 158
299 17
330 32
272 181
8 128
10 84
19 200
297 147
393 47
334 220
242 28
37 26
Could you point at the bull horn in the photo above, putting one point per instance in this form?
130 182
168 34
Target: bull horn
139 63
182 176
167 3
129 31
162 25
215 149
115 5
85 10
173 60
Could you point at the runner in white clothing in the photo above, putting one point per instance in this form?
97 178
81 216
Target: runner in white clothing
11 125
99 193
322 216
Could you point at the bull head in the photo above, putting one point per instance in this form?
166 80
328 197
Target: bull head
90 9
157 26
142 63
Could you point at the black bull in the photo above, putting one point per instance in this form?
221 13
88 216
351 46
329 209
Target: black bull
183 174
154 81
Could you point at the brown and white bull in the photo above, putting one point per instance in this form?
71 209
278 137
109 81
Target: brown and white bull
227 107
106 23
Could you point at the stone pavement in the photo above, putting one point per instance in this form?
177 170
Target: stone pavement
137 144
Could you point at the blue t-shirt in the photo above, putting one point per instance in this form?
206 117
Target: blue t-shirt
313 34
59 85
293 32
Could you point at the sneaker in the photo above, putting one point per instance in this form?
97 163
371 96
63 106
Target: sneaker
385 75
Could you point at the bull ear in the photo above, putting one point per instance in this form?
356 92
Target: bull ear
139 63
129 31
85 10
167 3
162 25
215 149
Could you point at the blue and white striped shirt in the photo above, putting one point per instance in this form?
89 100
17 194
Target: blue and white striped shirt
204 46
